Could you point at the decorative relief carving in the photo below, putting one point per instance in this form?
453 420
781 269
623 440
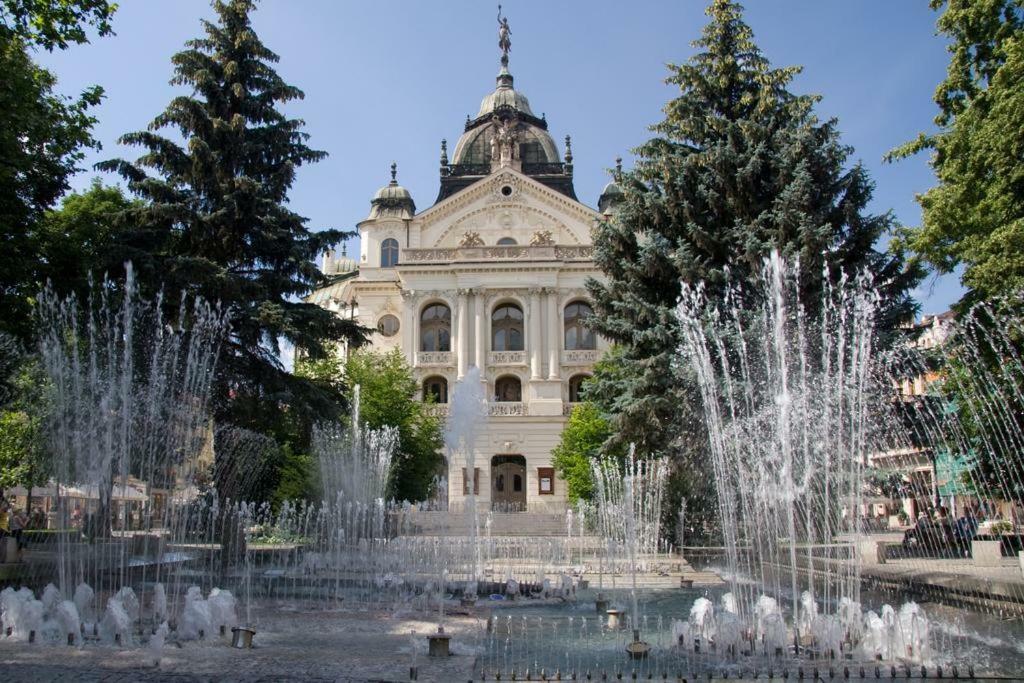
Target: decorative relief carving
505 252
506 358
542 238
580 357
471 238
415 255
573 253
502 409
511 253
436 409
501 186
435 358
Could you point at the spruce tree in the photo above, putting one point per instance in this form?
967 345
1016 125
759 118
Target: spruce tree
215 219
739 166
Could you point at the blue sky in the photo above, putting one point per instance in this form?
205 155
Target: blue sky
386 81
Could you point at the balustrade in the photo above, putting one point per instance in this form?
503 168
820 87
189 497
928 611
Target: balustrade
506 358
435 358
580 356
507 409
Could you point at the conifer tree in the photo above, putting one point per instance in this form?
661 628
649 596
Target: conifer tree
216 221
739 166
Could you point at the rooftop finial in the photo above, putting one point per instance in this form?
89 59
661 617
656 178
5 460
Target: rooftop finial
394 172
618 169
568 149
504 42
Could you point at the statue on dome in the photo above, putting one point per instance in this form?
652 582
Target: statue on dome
504 137
504 42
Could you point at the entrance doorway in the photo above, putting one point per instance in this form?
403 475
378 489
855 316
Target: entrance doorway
508 483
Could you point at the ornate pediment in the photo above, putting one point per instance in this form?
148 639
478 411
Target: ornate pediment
505 205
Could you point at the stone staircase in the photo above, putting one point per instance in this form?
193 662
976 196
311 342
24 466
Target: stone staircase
503 524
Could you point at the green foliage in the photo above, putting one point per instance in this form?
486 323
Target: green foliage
982 388
581 442
54 23
76 239
740 166
24 457
43 137
296 477
216 220
975 215
388 397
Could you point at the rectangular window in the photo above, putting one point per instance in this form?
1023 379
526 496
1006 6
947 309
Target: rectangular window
545 481
476 482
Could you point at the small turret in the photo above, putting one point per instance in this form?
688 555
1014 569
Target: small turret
612 195
392 200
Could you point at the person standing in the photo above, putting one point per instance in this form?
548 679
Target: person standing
5 528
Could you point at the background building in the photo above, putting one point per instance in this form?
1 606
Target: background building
491 275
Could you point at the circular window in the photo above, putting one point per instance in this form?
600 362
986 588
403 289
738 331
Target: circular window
506 190
388 325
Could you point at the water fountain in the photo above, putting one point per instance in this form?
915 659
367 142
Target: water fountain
794 415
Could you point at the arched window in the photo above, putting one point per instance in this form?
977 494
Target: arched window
437 387
517 483
388 325
507 242
578 336
508 389
389 253
436 328
575 385
507 328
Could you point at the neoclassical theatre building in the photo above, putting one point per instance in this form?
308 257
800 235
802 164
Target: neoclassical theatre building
491 275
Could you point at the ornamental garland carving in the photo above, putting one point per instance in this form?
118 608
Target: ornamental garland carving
507 358
501 409
517 252
434 358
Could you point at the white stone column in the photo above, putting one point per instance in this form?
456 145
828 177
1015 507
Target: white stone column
554 334
412 327
480 329
534 321
462 322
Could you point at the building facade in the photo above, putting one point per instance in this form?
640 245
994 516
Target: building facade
492 275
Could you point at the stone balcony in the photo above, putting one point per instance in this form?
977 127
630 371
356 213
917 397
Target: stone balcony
506 409
495 409
436 409
495 358
491 254
438 358
581 357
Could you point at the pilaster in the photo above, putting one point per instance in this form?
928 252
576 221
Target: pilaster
534 323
